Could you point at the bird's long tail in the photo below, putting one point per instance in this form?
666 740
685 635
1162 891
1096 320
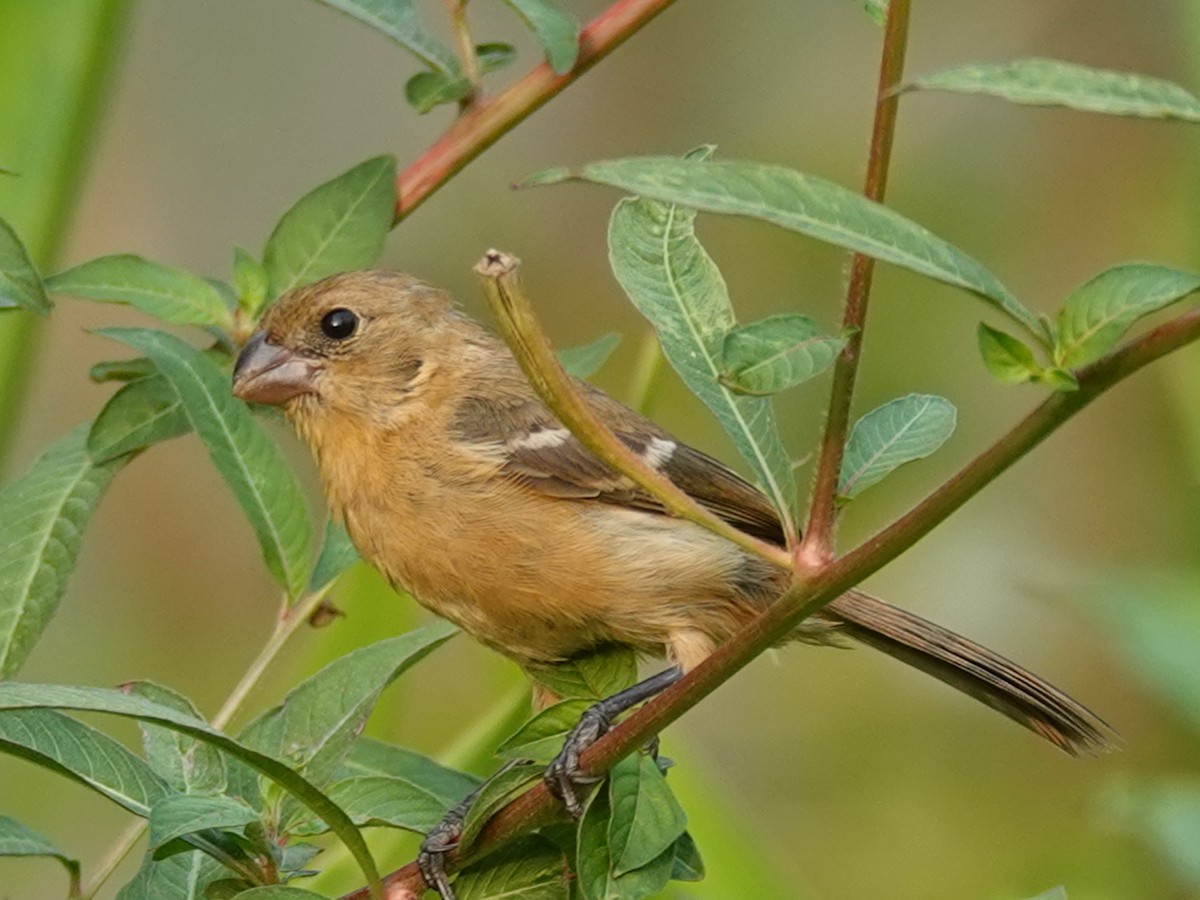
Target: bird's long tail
974 670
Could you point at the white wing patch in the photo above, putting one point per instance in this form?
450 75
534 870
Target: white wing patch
541 440
658 452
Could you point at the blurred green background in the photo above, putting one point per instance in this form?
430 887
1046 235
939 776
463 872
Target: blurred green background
814 773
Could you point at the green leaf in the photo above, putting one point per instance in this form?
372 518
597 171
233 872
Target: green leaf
184 876
555 28
45 513
1050 82
541 738
171 295
496 792
90 757
251 282
246 457
594 859
1006 357
371 757
646 818
688 864
427 90
398 20
142 413
382 800
593 677
20 284
122 370
805 204
676 285
876 9
279 892
776 353
186 764
530 868
337 555
902 430
18 840
183 814
41 696
585 361
322 716
1101 310
336 227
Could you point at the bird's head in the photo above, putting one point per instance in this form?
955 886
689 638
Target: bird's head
358 342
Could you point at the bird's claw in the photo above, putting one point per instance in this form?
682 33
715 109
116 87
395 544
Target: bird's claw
563 776
440 840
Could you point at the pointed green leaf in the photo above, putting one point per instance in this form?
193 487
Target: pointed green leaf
554 27
321 717
20 284
45 513
902 430
541 738
142 413
250 281
57 696
585 361
90 757
337 555
122 370
646 818
876 9
1050 82
184 814
427 90
1101 310
530 868
371 757
676 285
171 295
688 864
398 20
805 204
187 765
336 227
184 876
1006 357
18 840
246 457
593 677
594 859
381 800
496 792
776 353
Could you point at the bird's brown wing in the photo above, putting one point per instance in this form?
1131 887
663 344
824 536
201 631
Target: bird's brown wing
543 455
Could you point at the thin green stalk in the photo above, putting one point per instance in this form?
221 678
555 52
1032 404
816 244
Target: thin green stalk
647 372
465 45
817 545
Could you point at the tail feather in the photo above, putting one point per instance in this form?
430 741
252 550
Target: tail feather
972 669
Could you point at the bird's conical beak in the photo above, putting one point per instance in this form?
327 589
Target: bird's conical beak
269 373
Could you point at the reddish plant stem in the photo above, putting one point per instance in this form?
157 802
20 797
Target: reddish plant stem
817 545
485 123
537 807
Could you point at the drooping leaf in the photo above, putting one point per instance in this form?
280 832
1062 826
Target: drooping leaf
90 757
585 361
675 284
554 27
321 717
1051 82
246 457
541 738
56 696
1006 357
382 800
20 284
184 814
18 840
171 295
187 765
594 859
45 512
338 226
776 353
371 757
1101 310
427 90
646 820
688 864
398 20
337 555
142 413
592 677
901 431
184 876
530 868
251 283
805 204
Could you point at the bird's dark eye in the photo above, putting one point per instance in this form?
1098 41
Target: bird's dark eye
339 323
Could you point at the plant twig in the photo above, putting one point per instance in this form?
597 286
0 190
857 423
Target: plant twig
817 544
537 807
485 123
466 52
527 340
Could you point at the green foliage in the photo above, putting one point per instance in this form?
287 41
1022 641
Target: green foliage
144 412
585 361
592 677
899 432
398 20
776 353
555 28
542 737
528 869
20 285
179 815
428 90
18 840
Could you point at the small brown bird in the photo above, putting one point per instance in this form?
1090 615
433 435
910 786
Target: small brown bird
460 486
